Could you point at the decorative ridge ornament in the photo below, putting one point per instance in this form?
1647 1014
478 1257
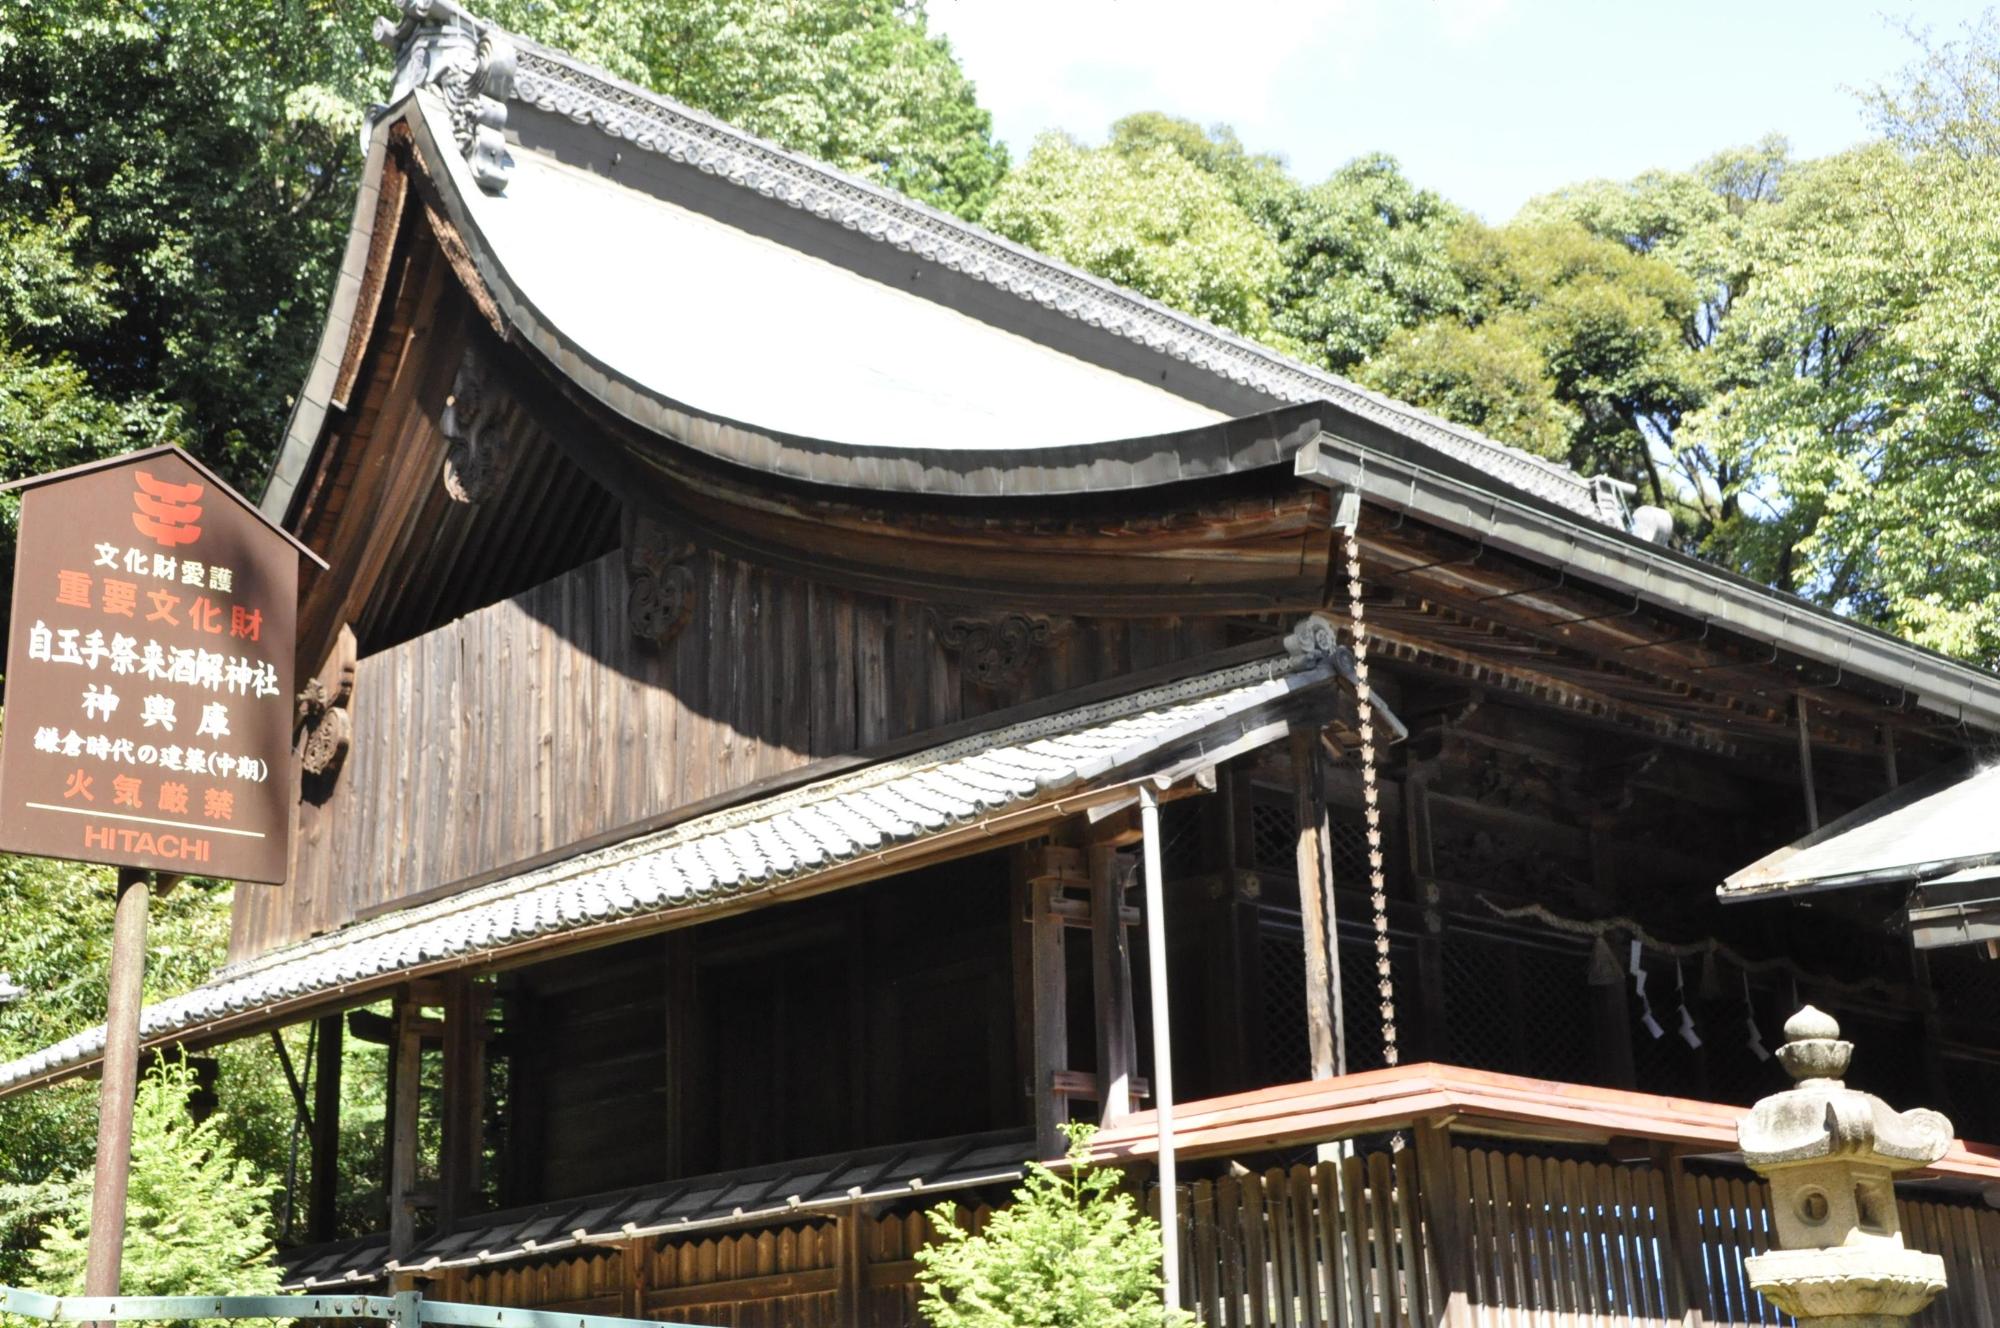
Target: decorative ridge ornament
1831 1153
470 64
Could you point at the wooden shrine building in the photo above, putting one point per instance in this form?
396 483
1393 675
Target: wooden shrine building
763 616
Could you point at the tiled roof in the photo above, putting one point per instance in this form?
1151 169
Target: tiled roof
761 1195
962 786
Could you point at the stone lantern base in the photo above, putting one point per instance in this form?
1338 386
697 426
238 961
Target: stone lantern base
1851 1286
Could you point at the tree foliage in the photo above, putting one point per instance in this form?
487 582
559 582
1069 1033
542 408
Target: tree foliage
1071 1251
1149 219
198 1218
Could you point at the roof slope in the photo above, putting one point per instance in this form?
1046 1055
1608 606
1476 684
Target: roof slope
1011 777
715 275
1918 833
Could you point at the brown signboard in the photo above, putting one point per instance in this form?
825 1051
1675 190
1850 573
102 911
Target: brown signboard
149 673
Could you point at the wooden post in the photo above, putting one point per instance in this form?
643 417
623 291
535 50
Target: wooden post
405 1092
1430 942
850 1287
1311 816
321 1218
1805 766
115 1093
464 1099
1685 1277
1163 1045
1444 1221
1050 1002
1111 981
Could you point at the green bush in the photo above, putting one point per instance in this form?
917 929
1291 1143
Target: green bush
1071 1251
198 1218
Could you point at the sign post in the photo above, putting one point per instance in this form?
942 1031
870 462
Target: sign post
149 719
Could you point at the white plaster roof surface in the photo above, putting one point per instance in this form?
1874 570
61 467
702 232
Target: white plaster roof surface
749 329
1917 834
555 81
730 854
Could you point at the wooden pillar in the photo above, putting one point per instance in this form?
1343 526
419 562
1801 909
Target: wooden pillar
1111 983
464 1098
850 1287
1431 941
322 1216
1310 806
632 1280
1683 1264
1444 1221
1048 998
1805 766
405 1094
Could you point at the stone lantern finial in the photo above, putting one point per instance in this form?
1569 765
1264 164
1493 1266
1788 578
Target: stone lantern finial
1831 1154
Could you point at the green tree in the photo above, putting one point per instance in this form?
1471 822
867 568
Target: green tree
1366 254
197 1216
862 84
56 947
1151 220
1070 1251
1572 346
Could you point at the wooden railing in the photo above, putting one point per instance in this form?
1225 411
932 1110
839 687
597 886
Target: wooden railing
1512 1203
1508 1237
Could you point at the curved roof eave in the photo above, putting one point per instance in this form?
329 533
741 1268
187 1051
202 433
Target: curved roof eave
964 470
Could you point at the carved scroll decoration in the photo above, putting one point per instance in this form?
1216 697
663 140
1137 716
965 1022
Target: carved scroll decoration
326 730
995 652
659 578
481 431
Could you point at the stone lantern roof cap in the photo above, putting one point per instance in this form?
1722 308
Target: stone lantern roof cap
1822 1118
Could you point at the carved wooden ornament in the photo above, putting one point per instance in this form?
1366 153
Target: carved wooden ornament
994 652
659 580
326 730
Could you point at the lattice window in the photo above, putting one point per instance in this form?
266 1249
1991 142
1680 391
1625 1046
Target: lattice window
1287 1047
1361 997
1183 846
1347 836
1968 990
1274 836
1518 1006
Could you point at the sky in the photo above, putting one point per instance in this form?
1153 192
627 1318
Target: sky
1488 102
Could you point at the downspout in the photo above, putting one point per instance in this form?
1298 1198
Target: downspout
1163 1046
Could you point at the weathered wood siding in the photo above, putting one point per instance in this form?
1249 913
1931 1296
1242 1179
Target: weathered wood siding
540 721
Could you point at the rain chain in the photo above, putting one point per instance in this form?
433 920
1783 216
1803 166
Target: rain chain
1371 796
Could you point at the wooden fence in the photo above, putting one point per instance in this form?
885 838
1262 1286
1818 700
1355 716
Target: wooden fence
854 1269
1438 1233
1513 1239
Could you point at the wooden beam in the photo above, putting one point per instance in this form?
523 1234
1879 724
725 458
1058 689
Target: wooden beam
325 1176
1111 982
1310 806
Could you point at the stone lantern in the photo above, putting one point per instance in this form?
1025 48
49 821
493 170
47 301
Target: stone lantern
1831 1154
